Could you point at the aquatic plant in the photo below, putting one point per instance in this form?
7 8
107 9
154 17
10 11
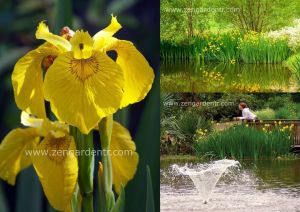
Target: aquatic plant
172 52
243 141
230 47
258 48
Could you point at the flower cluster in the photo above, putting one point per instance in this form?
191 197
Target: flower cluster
278 126
291 33
200 134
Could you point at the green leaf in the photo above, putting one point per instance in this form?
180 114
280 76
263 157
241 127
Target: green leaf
150 200
102 201
75 201
120 204
147 141
3 204
63 15
105 130
86 166
119 6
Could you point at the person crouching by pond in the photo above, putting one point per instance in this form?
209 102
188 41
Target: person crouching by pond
247 114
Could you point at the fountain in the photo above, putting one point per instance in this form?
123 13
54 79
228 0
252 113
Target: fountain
206 176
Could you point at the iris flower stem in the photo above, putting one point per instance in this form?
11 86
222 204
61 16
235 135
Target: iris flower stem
85 146
105 130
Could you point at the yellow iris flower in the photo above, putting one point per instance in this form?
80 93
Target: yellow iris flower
83 84
52 151
124 165
44 145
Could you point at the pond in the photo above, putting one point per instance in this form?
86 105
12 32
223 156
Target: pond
268 185
194 77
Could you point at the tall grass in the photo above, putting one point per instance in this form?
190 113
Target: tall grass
174 52
261 49
229 47
242 142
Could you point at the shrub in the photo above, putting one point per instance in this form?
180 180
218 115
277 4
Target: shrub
293 63
266 113
286 112
278 101
177 132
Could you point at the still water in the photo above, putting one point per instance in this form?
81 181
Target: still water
193 77
258 186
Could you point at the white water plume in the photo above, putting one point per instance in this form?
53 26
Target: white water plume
206 176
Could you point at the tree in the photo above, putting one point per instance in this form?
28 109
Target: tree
181 18
259 15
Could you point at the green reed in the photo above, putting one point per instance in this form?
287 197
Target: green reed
228 47
242 142
261 49
172 52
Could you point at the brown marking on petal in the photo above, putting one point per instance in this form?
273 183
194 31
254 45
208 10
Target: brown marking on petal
81 46
47 62
57 147
84 68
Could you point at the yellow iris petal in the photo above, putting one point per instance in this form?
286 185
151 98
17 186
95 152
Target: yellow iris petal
30 121
100 37
43 33
124 158
82 92
82 45
56 127
138 73
27 81
13 155
58 169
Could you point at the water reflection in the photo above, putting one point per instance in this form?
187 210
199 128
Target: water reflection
193 77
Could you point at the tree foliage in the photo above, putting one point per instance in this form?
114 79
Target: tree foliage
182 19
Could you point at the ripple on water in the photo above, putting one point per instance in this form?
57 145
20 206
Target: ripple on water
240 192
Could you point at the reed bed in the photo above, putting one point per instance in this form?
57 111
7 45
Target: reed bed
261 49
228 48
242 142
174 52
